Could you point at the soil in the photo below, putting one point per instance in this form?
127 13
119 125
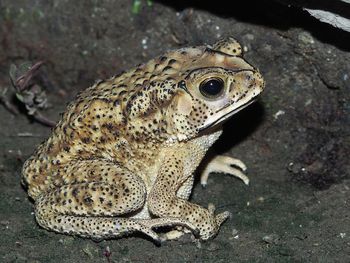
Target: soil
295 140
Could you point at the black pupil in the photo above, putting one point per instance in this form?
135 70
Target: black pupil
212 87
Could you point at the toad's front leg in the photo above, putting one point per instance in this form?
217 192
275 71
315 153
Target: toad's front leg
227 165
164 202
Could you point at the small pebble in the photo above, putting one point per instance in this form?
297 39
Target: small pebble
271 239
306 38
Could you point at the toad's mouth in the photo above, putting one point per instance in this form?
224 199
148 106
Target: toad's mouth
226 113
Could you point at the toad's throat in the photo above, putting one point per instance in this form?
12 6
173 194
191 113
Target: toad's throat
226 115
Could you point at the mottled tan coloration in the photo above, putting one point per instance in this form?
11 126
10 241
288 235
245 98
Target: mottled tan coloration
123 155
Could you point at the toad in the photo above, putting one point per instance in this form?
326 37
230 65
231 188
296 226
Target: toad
123 156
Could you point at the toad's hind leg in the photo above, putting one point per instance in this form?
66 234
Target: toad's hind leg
88 204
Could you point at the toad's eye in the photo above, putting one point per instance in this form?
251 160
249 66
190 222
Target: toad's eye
212 88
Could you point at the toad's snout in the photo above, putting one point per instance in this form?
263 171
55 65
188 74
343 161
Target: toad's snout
246 84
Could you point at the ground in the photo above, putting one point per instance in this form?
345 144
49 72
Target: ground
295 140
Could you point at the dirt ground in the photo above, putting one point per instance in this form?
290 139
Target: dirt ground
295 140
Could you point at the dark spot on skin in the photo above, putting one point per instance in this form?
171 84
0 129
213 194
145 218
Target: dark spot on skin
138 69
49 147
107 100
122 92
121 86
75 192
109 126
171 62
88 200
166 68
66 148
162 59
86 140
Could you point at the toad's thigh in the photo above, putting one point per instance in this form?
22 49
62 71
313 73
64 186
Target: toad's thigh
97 187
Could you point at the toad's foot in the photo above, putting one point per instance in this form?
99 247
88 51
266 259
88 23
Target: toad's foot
224 164
174 234
183 225
180 230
